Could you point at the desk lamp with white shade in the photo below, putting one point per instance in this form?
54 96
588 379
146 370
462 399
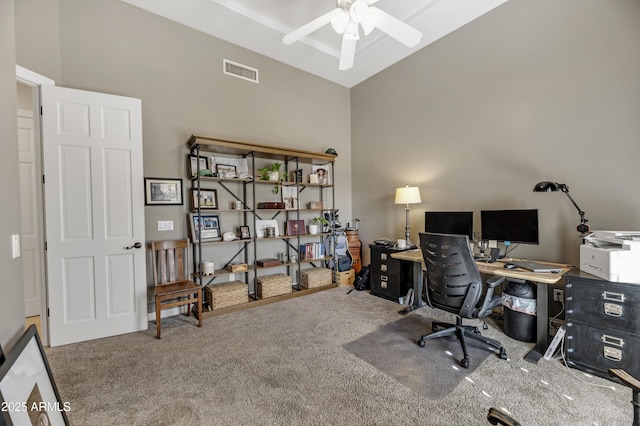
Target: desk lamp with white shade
408 195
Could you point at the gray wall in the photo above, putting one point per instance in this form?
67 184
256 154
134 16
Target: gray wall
12 294
112 47
532 91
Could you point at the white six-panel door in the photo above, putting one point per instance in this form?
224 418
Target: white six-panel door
30 208
94 203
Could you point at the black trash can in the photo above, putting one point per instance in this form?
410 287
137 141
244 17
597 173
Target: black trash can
519 301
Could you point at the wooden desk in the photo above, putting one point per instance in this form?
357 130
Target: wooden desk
542 280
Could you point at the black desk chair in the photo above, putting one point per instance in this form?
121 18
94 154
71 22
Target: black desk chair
453 284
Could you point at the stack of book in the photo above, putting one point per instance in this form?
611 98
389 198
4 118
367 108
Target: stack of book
311 251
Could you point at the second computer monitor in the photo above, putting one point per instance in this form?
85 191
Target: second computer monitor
460 223
516 226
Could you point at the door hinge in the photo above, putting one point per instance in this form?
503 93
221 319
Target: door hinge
45 246
40 109
43 179
48 313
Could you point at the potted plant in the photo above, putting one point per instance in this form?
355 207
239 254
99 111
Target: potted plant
315 223
270 173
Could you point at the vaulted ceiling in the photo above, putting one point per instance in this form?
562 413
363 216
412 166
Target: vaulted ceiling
259 25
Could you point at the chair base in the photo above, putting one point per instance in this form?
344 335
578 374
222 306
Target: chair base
461 332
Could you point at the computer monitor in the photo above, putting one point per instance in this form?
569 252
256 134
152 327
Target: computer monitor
515 226
460 223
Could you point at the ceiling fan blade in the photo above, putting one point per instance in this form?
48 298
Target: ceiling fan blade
394 27
307 28
347 53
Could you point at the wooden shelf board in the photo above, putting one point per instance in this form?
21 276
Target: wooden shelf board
259 302
266 151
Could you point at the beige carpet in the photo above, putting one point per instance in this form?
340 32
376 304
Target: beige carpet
284 364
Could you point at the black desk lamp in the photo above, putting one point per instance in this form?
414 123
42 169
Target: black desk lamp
555 186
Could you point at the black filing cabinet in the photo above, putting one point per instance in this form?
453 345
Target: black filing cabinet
390 278
603 324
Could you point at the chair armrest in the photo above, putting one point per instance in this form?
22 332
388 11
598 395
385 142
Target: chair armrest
494 281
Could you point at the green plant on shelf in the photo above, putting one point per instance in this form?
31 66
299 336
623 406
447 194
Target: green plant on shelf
272 173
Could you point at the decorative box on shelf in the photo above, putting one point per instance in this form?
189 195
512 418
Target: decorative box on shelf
237 267
316 277
227 294
345 278
273 285
316 205
279 205
268 262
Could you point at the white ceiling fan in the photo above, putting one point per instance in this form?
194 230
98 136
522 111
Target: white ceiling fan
346 19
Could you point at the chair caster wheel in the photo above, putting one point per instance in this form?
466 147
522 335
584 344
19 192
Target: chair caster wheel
485 326
464 363
503 353
421 342
434 327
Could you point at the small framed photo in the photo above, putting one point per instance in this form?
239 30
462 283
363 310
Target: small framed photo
162 192
196 164
226 171
207 225
28 392
245 233
323 174
208 199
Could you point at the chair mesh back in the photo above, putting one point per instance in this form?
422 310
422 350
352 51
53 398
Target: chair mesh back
451 269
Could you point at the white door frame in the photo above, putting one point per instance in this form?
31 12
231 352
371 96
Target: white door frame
35 80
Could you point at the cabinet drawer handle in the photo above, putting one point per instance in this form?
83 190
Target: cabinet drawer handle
383 268
384 278
613 310
383 284
612 354
383 256
615 297
612 340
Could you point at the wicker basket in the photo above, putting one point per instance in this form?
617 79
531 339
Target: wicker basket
316 277
345 278
226 294
273 285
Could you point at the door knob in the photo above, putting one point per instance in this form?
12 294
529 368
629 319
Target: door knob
137 245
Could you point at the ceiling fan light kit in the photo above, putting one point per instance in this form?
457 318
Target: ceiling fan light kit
346 20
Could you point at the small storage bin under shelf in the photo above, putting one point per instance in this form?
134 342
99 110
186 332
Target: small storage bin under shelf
273 285
316 277
227 294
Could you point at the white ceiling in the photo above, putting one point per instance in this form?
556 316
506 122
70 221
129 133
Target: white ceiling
259 25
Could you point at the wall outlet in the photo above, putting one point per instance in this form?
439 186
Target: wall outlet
558 295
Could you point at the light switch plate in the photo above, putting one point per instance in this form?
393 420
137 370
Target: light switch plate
165 225
493 243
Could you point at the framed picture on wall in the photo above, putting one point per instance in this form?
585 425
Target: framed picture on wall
162 192
28 392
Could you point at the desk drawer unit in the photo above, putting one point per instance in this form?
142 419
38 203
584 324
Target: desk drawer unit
603 324
390 278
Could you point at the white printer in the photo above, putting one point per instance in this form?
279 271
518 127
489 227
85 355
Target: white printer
612 255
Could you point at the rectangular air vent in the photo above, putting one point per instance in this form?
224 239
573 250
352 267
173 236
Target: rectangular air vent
238 70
